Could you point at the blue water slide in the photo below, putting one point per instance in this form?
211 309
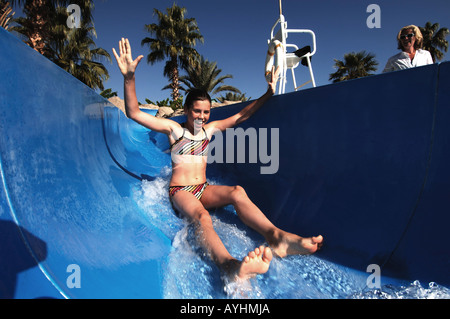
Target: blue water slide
364 163
68 217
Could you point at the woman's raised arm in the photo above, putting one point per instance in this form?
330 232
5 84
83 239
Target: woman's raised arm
127 67
250 109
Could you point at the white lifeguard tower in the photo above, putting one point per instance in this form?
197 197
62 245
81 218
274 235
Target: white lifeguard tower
278 54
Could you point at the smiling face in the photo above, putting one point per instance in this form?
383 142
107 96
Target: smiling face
407 39
198 115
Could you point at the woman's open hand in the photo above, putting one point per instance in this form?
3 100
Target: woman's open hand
125 61
275 74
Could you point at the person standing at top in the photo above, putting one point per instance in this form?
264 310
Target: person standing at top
410 41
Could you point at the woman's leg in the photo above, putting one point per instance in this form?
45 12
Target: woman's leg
256 262
283 243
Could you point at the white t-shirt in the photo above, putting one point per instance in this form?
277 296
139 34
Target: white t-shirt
402 61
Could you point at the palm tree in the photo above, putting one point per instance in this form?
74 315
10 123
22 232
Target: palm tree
79 57
34 26
175 38
355 65
108 93
74 50
39 14
205 75
233 97
434 40
5 14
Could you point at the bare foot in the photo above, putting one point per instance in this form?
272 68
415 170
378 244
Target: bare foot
256 262
290 244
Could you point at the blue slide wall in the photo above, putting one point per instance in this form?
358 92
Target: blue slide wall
64 200
364 163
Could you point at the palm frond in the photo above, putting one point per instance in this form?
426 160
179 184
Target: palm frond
173 39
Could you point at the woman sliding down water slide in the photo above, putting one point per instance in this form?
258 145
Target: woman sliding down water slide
189 192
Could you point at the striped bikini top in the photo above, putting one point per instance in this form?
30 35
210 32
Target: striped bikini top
187 146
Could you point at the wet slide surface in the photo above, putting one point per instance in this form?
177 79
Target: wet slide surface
83 202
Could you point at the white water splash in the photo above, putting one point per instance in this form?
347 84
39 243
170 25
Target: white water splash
189 273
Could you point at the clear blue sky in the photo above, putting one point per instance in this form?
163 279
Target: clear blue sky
236 33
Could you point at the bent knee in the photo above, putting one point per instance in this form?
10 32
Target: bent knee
238 194
203 217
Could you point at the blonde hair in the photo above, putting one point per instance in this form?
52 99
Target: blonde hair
419 37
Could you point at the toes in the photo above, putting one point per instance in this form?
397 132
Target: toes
262 249
267 254
318 239
264 252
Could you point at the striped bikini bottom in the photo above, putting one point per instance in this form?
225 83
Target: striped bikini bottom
196 190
